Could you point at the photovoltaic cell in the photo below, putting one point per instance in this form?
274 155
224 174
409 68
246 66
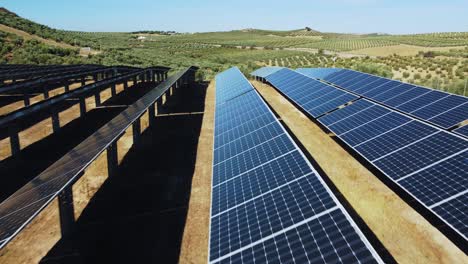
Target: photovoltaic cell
265 71
263 187
427 162
268 214
315 97
452 117
420 154
345 112
455 212
439 107
409 95
421 101
439 182
395 139
251 158
462 130
358 119
326 239
269 176
374 128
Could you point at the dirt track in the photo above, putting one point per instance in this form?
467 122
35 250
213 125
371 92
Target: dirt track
405 234
195 240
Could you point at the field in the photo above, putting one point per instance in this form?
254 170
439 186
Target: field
436 60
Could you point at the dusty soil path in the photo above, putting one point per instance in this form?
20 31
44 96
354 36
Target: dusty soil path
407 236
195 240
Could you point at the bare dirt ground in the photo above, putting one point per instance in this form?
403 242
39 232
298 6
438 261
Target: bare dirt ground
402 49
28 36
407 236
196 234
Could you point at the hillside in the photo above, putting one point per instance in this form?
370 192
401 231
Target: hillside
436 60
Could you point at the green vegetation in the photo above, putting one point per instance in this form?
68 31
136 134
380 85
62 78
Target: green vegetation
248 49
16 50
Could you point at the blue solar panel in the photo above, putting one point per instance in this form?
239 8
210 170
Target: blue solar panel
430 105
421 101
264 188
374 128
393 92
370 86
339 76
373 92
248 117
230 87
358 83
406 96
317 72
346 78
263 179
439 182
265 71
345 112
452 117
245 142
462 131
356 79
427 162
268 214
243 129
394 139
440 107
326 239
455 212
421 154
358 119
315 97
251 158
332 104
336 75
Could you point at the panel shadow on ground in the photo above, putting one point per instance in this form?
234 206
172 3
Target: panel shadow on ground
139 215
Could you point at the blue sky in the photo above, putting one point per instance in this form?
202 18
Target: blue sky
350 16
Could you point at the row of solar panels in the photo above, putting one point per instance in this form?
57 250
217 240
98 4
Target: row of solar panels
439 108
26 203
268 203
426 161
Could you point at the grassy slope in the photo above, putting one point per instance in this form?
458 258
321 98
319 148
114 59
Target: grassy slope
251 48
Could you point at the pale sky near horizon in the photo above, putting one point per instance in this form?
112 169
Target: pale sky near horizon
344 16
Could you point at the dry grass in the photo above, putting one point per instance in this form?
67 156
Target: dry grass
402 49
407 235
194 247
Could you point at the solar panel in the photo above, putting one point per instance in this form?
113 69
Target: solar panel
320 73
455 213
266 194
437 107
462 131
394 139
426 161
265 71
420 154
26 203
315 97
345 112
439 182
